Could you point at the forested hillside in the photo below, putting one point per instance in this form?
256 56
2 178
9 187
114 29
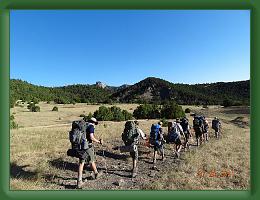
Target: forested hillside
22 90
149 90
157 90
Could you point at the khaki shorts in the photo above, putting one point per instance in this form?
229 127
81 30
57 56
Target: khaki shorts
88 156
132 149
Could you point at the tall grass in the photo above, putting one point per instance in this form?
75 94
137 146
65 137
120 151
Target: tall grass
38 151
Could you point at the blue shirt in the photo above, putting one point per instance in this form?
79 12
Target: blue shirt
90 129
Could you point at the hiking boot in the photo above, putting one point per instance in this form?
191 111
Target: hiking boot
134 173
79 184
97 175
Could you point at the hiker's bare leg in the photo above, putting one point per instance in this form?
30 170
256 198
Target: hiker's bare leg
185 144
163 154
80 172
207 136
154 158
134 170
94 167
179 148
134 164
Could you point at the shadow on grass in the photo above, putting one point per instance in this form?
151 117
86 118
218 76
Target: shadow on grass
19 172
64 165
112 155
120 174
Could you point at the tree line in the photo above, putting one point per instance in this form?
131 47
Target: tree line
160 91
237 93
22 90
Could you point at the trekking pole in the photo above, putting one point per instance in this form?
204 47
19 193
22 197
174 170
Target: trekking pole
103 154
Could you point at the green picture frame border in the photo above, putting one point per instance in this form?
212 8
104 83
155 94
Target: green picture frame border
7 5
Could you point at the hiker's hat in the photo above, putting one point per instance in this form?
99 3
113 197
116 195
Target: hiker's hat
93 120
178 120
160 123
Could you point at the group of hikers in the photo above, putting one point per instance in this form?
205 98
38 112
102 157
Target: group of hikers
179 132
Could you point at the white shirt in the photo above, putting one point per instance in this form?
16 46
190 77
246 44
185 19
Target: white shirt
141 133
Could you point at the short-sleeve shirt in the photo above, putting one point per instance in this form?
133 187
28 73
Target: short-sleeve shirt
90 129
140 133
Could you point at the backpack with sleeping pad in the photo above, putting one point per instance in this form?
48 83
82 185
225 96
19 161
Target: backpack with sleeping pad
174 133
77 137
130 135
154 134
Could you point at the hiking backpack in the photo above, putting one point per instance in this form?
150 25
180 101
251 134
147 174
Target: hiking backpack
198 124
184 124
77 135
174 133
154 134
205 125
130 135
215 124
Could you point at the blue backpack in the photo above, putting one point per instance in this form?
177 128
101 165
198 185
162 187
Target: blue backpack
154 134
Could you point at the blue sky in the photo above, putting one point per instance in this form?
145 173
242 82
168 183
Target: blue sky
57 48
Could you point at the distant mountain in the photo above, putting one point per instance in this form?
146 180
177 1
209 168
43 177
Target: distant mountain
148 90
117 88
156 90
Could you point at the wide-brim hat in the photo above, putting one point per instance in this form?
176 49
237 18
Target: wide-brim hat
178 121
93 120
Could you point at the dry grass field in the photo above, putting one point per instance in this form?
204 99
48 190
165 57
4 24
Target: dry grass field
38 159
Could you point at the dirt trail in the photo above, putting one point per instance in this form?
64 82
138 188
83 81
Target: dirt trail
116 168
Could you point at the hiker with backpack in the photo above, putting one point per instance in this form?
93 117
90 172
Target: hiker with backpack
82 138
216 125
130 137
186 129
175 133
156 141
198 128
205 129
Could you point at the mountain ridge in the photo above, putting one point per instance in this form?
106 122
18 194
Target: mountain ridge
148 90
